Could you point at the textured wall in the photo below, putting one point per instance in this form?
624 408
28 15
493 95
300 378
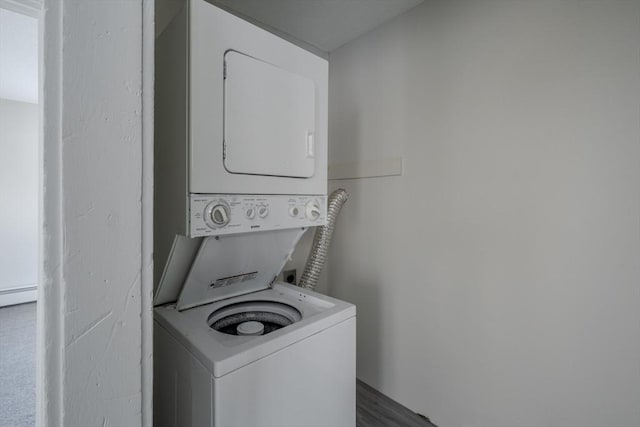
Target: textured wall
101 137
498 281
93 215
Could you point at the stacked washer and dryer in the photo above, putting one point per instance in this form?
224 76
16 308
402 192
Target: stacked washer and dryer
240 174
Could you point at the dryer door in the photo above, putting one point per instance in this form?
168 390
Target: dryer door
269 119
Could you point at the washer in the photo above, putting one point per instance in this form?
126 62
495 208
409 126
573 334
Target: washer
297 370
299 375
240 172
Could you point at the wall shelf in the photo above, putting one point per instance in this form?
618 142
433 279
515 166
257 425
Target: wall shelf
367 169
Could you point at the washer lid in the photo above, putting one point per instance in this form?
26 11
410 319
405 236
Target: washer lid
228 266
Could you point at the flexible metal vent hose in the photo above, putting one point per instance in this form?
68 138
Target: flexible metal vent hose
322 240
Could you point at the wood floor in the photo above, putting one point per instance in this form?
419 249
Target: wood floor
374 409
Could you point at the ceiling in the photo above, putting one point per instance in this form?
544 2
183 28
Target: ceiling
324 24
18 57
318 25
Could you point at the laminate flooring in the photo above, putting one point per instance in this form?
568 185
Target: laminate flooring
374 409
17 379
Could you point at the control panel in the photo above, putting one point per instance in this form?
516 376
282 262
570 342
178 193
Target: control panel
218 214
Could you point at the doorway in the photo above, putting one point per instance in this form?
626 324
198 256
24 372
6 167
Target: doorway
19 216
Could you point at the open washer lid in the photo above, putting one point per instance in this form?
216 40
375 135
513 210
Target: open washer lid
228 266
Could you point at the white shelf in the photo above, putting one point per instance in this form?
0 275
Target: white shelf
367 169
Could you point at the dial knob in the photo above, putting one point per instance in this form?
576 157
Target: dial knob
293 211
250 213
313 210
217 214
263 211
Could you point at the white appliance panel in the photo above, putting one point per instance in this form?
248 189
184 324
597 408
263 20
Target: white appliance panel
311 383
228 266
181 256
182 386
269 119
285 74
244 213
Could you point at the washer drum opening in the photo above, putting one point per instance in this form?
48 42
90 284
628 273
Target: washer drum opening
272 315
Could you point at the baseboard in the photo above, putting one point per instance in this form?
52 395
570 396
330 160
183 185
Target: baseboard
19 295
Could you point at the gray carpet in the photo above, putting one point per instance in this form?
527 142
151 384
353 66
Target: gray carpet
17 365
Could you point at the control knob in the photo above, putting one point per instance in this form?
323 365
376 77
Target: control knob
313 210
217 214
263 211
250 212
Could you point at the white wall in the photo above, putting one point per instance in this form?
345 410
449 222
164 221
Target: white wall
18 194
19 51
94 317
498 281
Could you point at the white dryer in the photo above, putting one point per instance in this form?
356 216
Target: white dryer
272 355
238 111
240 171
